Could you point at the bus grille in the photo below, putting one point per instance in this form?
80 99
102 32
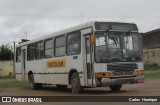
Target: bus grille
122 69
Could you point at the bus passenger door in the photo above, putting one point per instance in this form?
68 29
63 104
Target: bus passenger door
89 63
23 64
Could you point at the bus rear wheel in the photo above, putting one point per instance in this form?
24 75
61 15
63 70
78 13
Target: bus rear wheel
32 83
115 88
61 86
75 83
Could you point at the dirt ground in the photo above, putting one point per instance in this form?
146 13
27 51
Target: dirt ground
150 87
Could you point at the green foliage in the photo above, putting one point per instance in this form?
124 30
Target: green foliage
11 82
151 67
5 52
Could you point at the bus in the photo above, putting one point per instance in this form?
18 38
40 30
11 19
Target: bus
89 55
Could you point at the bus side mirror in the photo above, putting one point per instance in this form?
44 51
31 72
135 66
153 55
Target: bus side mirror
93 39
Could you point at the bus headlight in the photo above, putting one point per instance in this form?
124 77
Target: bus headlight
138 72
104 75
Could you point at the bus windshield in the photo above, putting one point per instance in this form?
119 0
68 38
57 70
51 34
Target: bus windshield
117 47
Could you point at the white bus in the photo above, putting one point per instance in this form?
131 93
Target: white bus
93 54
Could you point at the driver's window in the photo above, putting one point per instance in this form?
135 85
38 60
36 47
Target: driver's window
128 43
113 42
135 44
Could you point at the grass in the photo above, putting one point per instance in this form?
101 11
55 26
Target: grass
7 82
152 70
152 74
151 67
6 77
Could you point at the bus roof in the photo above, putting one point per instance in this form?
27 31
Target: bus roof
64 31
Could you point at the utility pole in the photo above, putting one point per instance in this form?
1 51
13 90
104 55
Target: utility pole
11 53
25 34
81 18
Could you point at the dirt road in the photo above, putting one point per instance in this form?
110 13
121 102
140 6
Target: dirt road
151 86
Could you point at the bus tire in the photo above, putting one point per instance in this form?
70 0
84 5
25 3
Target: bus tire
61 86
75 83
39 85
116 88
32 83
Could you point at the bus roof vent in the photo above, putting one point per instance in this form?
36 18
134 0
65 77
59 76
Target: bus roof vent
23 40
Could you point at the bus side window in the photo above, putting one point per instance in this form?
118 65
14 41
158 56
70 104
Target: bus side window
60 45
18 54
30 52
74 43
48 53
39 50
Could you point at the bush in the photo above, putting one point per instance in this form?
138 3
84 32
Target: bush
5 52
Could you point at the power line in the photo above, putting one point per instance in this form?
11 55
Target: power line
30 15
9 42
74 16
11 37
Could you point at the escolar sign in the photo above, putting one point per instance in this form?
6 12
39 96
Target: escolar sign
56 63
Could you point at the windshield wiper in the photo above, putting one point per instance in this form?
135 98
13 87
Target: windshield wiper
112 37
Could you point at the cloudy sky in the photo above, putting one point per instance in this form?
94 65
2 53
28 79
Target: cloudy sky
40 17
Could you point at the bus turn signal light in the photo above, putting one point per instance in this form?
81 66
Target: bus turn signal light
104 75
138 72
93 39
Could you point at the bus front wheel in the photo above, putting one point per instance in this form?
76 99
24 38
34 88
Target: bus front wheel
75 83
115 88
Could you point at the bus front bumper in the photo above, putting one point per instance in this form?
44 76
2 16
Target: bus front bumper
118 81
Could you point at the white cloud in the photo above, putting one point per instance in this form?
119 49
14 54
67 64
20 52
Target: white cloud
40 17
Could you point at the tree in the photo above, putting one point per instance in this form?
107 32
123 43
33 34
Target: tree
5 52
